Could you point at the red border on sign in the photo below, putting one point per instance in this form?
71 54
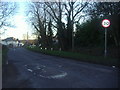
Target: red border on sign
103 25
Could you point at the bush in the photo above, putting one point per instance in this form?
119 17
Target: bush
89 34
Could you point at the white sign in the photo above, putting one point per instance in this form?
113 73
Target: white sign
106 23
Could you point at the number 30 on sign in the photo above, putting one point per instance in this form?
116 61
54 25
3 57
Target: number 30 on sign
105 23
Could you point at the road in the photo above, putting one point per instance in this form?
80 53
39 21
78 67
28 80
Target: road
35 70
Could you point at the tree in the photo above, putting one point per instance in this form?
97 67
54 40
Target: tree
111 11
6 10
50 34
73 13
58 12
39 21
68 11
88 34
55 11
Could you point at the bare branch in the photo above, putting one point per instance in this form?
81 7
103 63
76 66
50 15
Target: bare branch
6 10
80 9
52 16
48 4
35 27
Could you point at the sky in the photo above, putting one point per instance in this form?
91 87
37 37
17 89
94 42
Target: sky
21 25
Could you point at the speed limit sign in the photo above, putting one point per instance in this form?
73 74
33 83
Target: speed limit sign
105 23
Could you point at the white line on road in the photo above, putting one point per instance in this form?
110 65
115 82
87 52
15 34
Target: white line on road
59 75
30 70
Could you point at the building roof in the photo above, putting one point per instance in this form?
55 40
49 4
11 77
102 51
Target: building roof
10 39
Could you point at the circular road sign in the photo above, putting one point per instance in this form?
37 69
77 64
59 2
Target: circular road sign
105 23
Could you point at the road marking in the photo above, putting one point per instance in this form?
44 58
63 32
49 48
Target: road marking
30 70
59 75
44 73
59 66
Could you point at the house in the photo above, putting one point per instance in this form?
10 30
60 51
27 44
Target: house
11 42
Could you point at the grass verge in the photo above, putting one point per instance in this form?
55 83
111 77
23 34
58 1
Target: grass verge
4 54
79 56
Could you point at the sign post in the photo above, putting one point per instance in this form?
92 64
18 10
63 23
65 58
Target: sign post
105 24
105 42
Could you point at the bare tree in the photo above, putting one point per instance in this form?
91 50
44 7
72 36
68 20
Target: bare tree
73 13
6 10
58 12
38 20
55 10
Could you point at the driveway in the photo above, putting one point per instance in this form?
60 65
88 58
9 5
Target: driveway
35 70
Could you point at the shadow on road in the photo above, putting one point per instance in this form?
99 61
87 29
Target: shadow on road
10 77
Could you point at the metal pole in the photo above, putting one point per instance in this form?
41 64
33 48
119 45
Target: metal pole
27 38
105 52
72 41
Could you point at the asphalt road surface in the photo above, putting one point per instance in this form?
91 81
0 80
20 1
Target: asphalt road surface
35 70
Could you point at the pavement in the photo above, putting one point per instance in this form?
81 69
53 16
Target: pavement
27 69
